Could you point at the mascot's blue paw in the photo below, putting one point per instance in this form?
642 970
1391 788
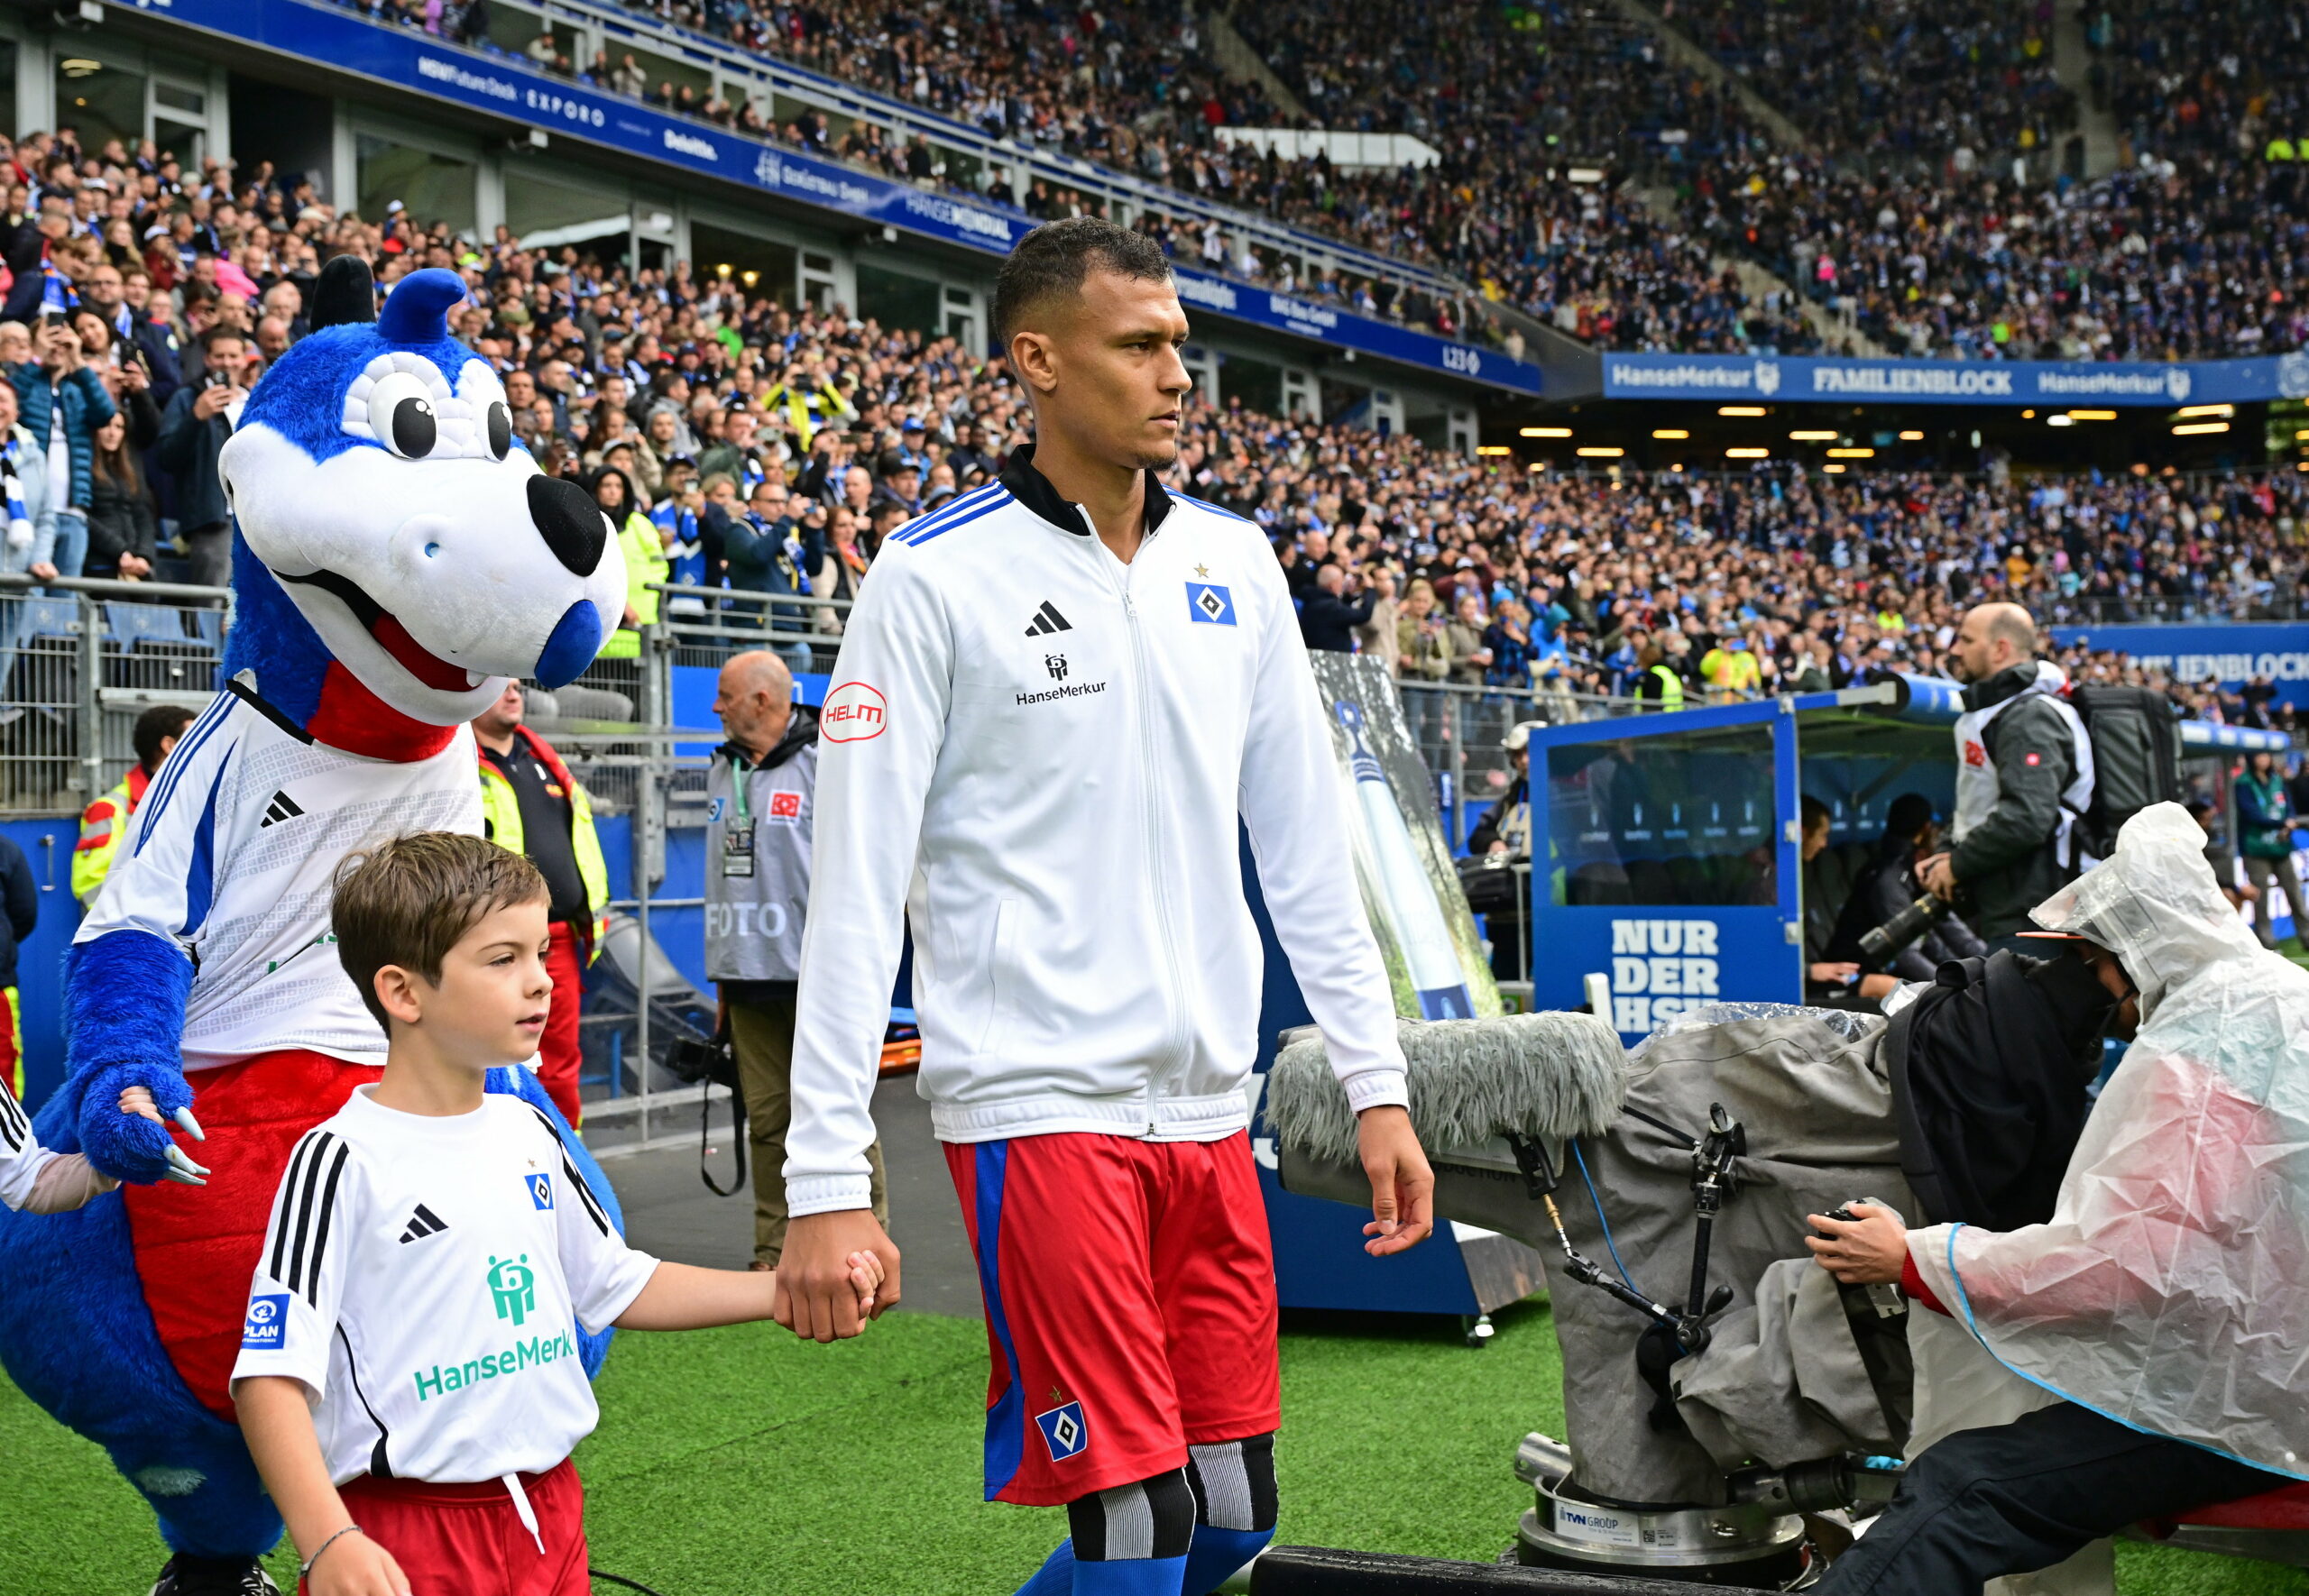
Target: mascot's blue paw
128 1146
124 997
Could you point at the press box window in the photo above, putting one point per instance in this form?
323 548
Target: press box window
1665 822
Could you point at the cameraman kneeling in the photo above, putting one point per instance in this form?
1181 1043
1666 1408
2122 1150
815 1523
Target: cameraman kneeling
2165 1299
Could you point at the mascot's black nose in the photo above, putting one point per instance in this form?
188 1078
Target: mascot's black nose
569 521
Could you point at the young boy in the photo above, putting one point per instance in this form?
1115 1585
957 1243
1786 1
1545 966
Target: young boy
409 1382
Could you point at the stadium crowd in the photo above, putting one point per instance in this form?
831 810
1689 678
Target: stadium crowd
1920 210
739 440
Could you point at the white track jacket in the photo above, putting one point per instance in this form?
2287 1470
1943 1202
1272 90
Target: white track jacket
1042 753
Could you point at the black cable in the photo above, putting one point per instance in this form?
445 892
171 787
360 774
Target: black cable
619 1579
1660 1125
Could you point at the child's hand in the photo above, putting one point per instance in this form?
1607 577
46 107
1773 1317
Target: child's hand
355 1565
866 1280
138 1100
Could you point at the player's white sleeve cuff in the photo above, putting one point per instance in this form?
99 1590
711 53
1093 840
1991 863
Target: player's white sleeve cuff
1377 1089
828 1194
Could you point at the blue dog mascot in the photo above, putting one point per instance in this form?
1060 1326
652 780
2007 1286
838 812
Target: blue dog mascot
397 557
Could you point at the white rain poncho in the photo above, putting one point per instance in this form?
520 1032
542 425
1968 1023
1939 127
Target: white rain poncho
2170 1290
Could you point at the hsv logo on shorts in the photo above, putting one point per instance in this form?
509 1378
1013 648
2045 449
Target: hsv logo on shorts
267 1323
1063 1431
1209 604
853 713
785 808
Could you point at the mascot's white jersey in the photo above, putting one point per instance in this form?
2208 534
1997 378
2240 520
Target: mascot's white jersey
232 855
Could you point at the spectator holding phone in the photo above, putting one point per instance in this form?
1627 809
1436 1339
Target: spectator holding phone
199 418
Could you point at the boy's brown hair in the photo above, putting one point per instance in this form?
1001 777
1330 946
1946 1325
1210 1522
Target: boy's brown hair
408 901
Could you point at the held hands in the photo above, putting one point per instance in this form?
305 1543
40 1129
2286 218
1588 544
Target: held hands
1866 1250
839 1271
1403 1187
125 1114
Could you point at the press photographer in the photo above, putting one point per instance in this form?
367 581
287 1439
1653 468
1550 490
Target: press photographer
2024 775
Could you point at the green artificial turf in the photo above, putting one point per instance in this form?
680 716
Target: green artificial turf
743 1462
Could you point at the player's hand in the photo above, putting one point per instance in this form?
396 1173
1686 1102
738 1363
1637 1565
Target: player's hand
816 1297
355 1565
1403 1188
1866 1250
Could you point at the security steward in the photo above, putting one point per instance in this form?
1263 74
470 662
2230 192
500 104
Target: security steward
106 821
1656 679
759 814
532 805
2024 771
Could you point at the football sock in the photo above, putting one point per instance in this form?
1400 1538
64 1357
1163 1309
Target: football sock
1233 1484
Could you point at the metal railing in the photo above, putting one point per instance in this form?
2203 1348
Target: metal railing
80 658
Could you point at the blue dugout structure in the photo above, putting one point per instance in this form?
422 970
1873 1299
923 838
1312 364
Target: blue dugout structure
1666 846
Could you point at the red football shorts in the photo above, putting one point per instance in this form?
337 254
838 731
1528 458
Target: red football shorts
469 1540
559 1051
1130 1312
197 1246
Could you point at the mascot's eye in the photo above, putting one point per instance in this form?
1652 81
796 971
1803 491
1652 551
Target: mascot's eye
400 415
501 428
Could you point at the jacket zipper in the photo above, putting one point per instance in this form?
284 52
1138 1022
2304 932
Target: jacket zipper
1156 832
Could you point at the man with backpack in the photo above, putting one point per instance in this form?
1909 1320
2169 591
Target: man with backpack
2024 778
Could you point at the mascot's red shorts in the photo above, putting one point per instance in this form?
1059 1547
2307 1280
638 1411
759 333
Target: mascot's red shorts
197 1246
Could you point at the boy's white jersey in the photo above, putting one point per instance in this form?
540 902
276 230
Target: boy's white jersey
232 855
423 1278
21 1157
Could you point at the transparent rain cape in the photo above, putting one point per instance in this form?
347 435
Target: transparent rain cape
2170 1290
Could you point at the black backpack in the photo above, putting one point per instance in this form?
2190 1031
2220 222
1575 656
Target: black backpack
2136 759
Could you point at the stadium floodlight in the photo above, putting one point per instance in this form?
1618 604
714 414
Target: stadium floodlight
2092 415
1852 453
1738 409
2062 419
1811 436
2186 411
1747 453
1833 470
1601 452
1546 432
1672 433
1585 174
1911 437
2191 428
1495 449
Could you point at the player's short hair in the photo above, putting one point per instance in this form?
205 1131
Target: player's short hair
155 726
1051 262
1814 813
407 902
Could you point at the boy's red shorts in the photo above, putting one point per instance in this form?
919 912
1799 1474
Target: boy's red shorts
1130 1309
469 1540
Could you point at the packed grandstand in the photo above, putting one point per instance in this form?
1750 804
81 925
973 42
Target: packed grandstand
695 393
1914 172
